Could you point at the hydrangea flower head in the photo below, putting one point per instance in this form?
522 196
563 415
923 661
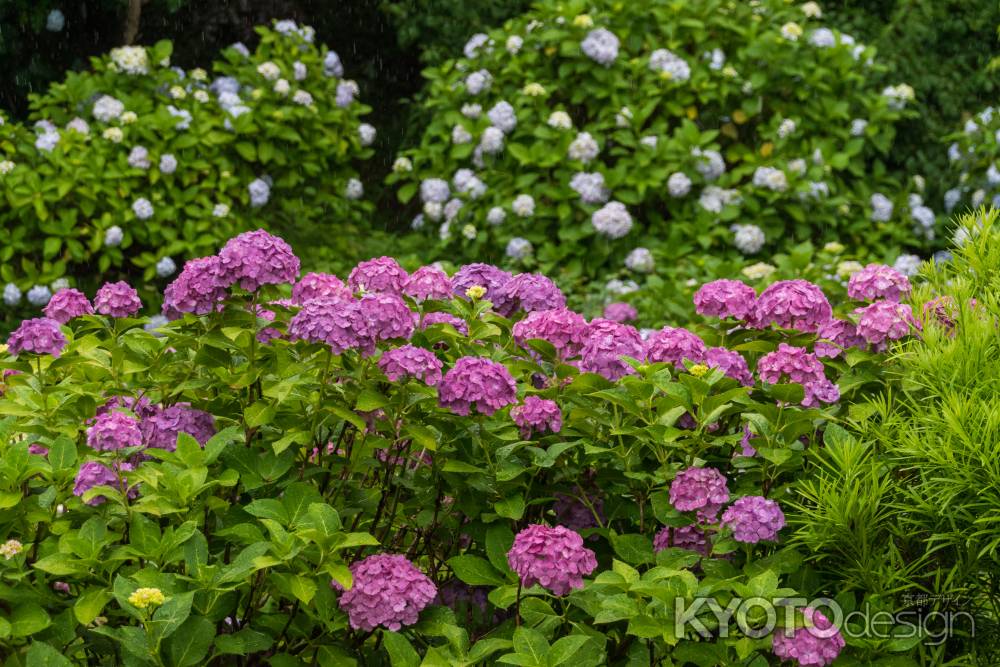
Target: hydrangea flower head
816 645
674 345
198 289
700 490
601 46
477 382
527 292
257 258
563 328
316 285
381 274
792 304
726 298
160 430
878 281
460 325
836 336
409 361
605 345
389 591
537 415
67 304
555 558
692 538
731 363
754 519
620 311
39 335
93 474
388 316
883 321
427 282
482 275
117 300
795 364
112 431
337 322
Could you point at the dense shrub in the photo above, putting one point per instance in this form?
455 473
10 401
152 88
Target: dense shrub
355 473
137 166
974 154
568 139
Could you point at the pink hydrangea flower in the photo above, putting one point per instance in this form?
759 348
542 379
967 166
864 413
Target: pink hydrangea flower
381 274
39 335
537 415
563 328
817 644
725 298
93 474
482 275
388 316
477 382
316 285
692 538
731 363
792 304
674 345
620 312
555 558
257 258
700 490
409 361
198 289
835 336
67 304
388 591
338 323
754 519
117 300
605 346
794 363
112 431
445 318
878 281
160 430
527 292
427 282
883 321
942 310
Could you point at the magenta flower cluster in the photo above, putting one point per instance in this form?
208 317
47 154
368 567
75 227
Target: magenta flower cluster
726 299
198 289
620 311
316 285
692 538
381 274
878 281
700 490
527 292
67 304
792 304
409 361
257 258
754 519
554 558
796 364
39 335
475 382
605 345
388 591
161 428
94 473
427 282
673 345
563 328
816 644
884 321
339 323
479 275
836 336
112 431
460 325
537 415
731 363
117 300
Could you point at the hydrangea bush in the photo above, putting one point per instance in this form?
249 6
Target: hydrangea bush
974 154
583 138
136 166
387 468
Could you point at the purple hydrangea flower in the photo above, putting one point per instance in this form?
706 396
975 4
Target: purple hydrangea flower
822 391
620 312
482 275
701 490
410 361
257 258
161 429
816 645
754 519
93 474
836 336
38 450
117 300
606 344
691 538
883 321
725 298
537 415
574 513
747 449
39 335
427 282
943 310
140 406
674 345
731 363
445 318
792 304
878 281
563 328
388 591
316 285
67 304
382 274
555 558
477 381
527 292
336 322
198 289
388 316
112 431
794 363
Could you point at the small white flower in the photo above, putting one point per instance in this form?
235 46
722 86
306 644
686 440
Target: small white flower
366 133
6 166
469 232
130 59
669 65
402 165
514 44
434 190
138 158
503 117
129 117
220 210
47 141
477 82
282 87
898 95
797 166
811 10
650 141
444 231
519 248
560 120
858 126
823 38
678 185
770 178
612 220
617 287
354 190
168 163
496 216
260 192
590 187
268 70
640 260
908 265
113 236
492 141
601 46
709 163
460 135
523 206
748 239
713 198
302 97
951 199
201 96
583 148
177 92
299 71
79 126
758 271
142 208
791 31
472 111
55 21
881 207
165 267
418 222
477 41
787 128
434 210
11 294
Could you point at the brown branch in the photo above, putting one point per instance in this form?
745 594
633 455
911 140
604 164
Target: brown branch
132 21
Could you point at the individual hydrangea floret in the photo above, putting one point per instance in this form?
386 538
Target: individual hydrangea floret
674 345
337 322
527 292
482 275
731 363
198 289
555 558
883 321
315 285
700 490
112 431
388 316
67 304
537 415
388 591
726 298
477 382
878 281
605 346
691 538
754 519
427 282
117 300
816 644
409 361
564 329
792 304
257 258
619 311
381 274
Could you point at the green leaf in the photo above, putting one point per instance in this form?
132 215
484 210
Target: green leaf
190 644
531 643
258 414
511 508
169 617
41 654
564 649
475 571
499 539
27 619
62 453
634 549
90 605
244 642
401 652
369 400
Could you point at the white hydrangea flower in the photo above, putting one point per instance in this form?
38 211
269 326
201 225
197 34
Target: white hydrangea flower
993 175
260 192
479 81
107 108
678 185
113 134
434 190
354 189
924 218
518 248
971 127
770 178
709 163
748 239
185 115
908 265
523 206
640 260
492 141
560 120
129 117
951 199
165 267
444 231
758 271
791 31
858 126
797 166
460 135
590 187
11 294
469 232
113 236
881 207
898 95
624 117
130 59
6 166
142 208
418 222
823 38
79 126
177 92
612 220
669 65
434 210
452 208
302 97
46 141
199 74
716 59
402 165
366 134
601 46
977 198
650 141
168 163
514 44
39 295
713 198
477 41
138 158
818 189
811 10
55 21
472 111
201 96
496 216
269 70
583 148
502 116
299 71
282 87
617 287
787 128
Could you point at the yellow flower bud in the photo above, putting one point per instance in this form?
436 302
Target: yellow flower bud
146 597
476 292
698 370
